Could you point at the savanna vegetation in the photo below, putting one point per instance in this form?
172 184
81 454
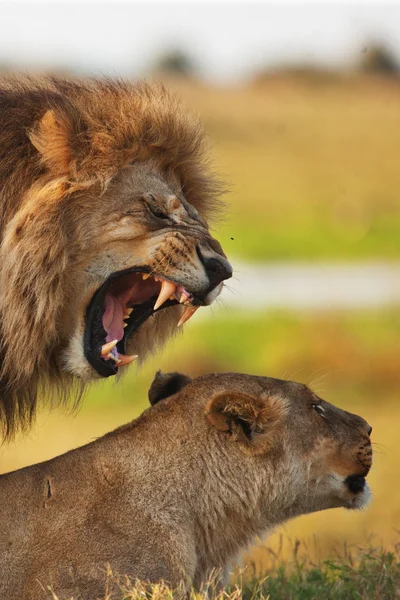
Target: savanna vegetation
368 573
311 162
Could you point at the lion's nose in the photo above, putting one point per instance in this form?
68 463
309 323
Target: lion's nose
217 268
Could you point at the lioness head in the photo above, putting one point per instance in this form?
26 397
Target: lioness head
298 453
106 246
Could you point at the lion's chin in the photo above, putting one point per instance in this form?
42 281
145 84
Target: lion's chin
360 499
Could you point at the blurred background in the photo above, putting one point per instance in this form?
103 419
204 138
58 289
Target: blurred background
301 103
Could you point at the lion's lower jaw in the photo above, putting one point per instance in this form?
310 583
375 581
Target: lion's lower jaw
152 335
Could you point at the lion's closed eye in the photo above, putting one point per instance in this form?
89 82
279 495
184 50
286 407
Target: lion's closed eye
154 208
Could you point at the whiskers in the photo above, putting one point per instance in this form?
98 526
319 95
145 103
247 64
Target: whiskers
313 381
289 375
381 448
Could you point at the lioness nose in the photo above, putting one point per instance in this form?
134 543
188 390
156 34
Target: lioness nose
217 268
369 429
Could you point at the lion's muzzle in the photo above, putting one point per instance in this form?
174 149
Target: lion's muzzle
217 269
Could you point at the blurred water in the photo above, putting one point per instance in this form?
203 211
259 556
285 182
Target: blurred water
314 286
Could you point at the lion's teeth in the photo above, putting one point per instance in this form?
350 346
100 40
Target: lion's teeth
167 289
187 314
124 325
126 359
145 276
106 349
182 298
114 358
127 312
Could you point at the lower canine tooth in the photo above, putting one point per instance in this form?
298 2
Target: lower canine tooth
106 349
187 314
145 275
125 359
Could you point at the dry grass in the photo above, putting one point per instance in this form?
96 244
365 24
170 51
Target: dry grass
313 168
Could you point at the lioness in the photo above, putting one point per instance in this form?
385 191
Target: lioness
182 489
105 194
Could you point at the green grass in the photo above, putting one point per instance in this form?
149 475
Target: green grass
313 239
372 574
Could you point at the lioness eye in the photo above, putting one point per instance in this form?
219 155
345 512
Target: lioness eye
318 408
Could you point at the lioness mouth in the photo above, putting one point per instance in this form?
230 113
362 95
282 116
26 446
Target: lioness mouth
120 307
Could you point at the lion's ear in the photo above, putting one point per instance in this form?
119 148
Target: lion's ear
58 137
166 384
252 420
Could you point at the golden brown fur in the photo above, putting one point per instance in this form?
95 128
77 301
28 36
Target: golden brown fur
182 490
76 159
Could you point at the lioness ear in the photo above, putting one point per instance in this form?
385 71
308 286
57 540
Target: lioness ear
165 385
252 420
58 138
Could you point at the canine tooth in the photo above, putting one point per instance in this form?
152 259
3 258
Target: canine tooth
108 347
145 275
126 359
187 314
124 325
167 289
182 298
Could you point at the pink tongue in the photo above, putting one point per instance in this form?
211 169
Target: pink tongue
112 318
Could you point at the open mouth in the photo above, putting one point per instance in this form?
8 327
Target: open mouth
120 306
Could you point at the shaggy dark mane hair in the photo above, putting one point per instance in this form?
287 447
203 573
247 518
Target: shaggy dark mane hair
60 138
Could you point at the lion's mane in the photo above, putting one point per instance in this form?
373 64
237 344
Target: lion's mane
59 138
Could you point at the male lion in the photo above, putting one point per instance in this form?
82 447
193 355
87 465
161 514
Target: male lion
215 462
104 196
